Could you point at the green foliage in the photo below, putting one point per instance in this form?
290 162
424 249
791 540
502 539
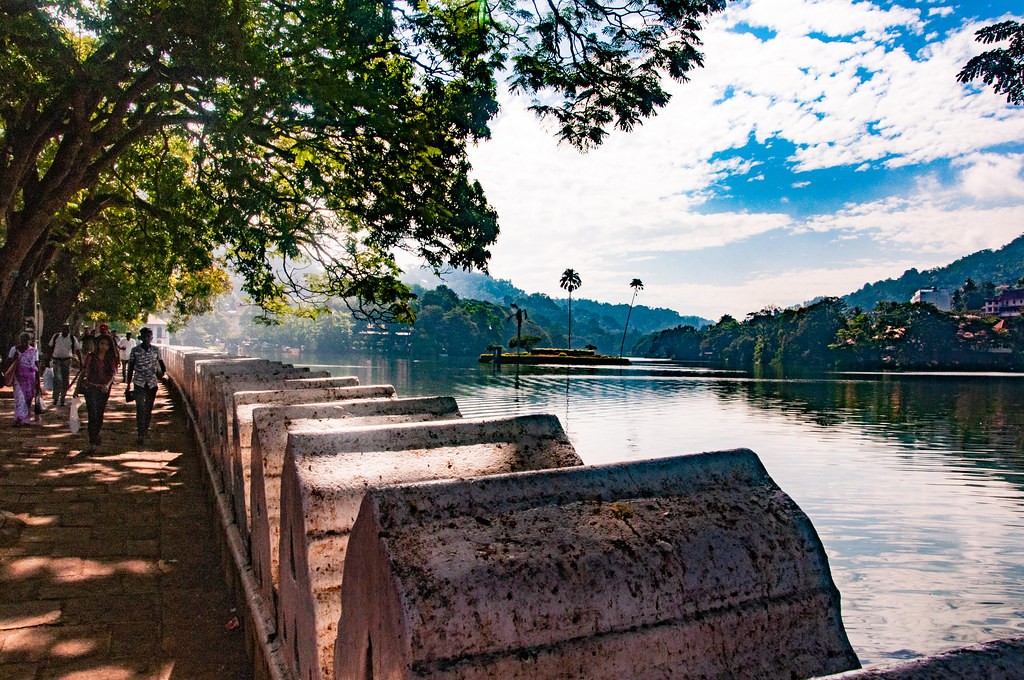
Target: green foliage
1002 266
827 335
1003 67
527 342
315 138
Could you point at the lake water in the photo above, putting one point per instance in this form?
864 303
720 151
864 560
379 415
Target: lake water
914 482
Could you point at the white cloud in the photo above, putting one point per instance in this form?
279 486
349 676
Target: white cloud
988 176
862 101
781 289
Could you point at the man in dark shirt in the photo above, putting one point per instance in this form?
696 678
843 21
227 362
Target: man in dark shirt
145 368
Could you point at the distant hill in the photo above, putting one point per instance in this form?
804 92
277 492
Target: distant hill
609 317
1002 267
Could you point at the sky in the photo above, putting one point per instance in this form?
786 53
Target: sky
825 144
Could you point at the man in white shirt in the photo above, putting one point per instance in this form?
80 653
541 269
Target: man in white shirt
124 346
62 347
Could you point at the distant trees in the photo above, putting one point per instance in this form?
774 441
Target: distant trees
828 335
637 285
519 315
570 281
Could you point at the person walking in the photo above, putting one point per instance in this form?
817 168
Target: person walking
145 368
88 341
124 346
23 374
98 372
62 347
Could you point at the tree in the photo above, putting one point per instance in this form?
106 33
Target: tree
570 281
317 137
1003 67
637 285
519 315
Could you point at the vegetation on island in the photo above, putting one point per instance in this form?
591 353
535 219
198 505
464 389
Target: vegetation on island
570 281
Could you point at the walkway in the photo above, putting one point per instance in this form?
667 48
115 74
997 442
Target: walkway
109 568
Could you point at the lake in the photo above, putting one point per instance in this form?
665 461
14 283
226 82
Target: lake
914 482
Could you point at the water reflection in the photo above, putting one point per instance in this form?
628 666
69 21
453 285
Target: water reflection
914 482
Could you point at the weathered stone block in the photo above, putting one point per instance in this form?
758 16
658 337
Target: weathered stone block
286 393
326 475
690 567
219 389
271 425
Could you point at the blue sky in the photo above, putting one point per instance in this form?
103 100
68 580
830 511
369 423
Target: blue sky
825 144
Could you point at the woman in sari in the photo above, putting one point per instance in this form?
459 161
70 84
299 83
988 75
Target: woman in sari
98 372
25 366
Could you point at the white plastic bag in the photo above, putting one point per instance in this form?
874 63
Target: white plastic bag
74 422
48 380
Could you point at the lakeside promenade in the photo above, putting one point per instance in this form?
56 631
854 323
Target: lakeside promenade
109 569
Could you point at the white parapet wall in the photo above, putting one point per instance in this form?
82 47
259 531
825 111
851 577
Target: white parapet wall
269 439
324 478
690 567
239 469
219 387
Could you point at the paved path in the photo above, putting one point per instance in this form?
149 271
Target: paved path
108 565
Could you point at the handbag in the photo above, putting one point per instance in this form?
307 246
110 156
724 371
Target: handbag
129 395
74 422
48 379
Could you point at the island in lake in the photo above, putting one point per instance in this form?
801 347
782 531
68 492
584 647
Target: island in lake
550 355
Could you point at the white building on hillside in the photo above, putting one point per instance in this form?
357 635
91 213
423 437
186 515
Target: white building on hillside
940 298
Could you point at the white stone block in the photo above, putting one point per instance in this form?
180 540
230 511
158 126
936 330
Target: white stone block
326 475
271 425
690 567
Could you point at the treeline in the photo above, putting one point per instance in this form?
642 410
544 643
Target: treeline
830 335
445 324
1005 264
606 316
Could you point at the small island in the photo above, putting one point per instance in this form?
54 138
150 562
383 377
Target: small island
553 355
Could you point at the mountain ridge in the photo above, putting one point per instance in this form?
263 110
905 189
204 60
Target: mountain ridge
1003 266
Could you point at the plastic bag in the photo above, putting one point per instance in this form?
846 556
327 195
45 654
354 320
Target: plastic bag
48 380
74 422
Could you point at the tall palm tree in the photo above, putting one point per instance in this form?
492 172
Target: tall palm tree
570 281
519 315
637 285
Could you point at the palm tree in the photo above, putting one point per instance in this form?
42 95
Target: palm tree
637 285
519 315
570 281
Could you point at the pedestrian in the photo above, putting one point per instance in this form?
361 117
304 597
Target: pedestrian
145 368
124 346
98 372
23 374
88 341
62 347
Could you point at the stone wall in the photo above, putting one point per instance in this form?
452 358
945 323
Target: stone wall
415 544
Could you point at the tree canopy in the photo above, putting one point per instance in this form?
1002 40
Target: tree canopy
1001 67
306 141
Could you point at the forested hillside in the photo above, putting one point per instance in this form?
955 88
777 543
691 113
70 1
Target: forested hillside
598 315
1002 267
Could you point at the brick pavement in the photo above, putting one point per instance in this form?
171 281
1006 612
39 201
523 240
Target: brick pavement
109 568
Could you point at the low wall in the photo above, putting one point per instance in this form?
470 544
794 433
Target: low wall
271 425
697 566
